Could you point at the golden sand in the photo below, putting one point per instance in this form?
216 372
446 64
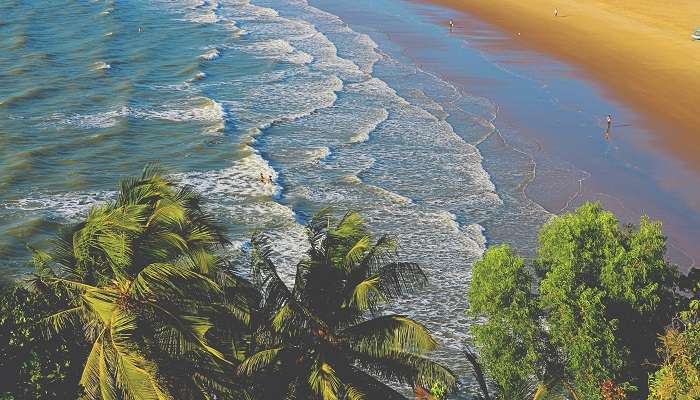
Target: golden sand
640 51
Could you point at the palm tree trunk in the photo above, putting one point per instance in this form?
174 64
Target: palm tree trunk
478 373
571 390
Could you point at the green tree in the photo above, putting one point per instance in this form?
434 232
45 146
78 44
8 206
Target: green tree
147 286
585 312
326 338
510 335
33 365
678 377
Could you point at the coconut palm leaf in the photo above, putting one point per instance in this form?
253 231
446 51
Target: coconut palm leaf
145 283
163 279
259 361
324 382
390 334
325 319
135 376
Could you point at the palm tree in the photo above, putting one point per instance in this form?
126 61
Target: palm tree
326 338
150 221
147 288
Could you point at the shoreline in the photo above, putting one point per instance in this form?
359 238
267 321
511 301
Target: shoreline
649 60
550 113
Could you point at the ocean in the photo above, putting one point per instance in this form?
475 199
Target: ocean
220 92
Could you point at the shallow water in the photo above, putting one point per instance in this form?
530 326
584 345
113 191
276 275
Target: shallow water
222 91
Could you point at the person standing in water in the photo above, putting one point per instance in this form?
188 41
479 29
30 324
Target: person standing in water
452 25
608 119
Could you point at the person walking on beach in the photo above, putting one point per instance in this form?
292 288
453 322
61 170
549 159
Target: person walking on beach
556 12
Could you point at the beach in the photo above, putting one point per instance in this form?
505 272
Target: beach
639 50
449 142
550 145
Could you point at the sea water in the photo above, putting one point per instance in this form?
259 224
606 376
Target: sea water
220 92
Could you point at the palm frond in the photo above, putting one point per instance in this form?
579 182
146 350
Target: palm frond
258 361
168 211
101 302
164 279
407 368
388 335
189 330
399 278
367 294
357 251
90 378
56 322
324 382
134 374
364 386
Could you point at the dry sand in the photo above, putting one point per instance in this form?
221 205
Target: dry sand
640 51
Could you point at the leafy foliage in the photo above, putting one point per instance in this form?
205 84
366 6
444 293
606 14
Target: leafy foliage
678 377
32 365
134 302
146 286
585 312
326 338
501 292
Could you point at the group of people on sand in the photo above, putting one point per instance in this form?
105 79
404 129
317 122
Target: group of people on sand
265 180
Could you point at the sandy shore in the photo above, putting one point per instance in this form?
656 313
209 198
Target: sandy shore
640 51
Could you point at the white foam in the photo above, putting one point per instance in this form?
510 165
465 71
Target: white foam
317 154
101 65
238 182
362 134
68 207
196 109
279 49
210 54
105 119
200 109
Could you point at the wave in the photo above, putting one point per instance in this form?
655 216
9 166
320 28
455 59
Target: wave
101 66
66 207
100 120
318 154
198 77
231 25
210 54
199 109
281 50
205 12
28 94
362 134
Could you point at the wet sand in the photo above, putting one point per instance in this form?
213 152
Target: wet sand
640 50
550 119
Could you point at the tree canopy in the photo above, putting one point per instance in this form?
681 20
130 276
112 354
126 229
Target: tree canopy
136 301
587 310
326 337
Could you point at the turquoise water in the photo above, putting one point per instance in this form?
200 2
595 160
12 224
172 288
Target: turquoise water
221 91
